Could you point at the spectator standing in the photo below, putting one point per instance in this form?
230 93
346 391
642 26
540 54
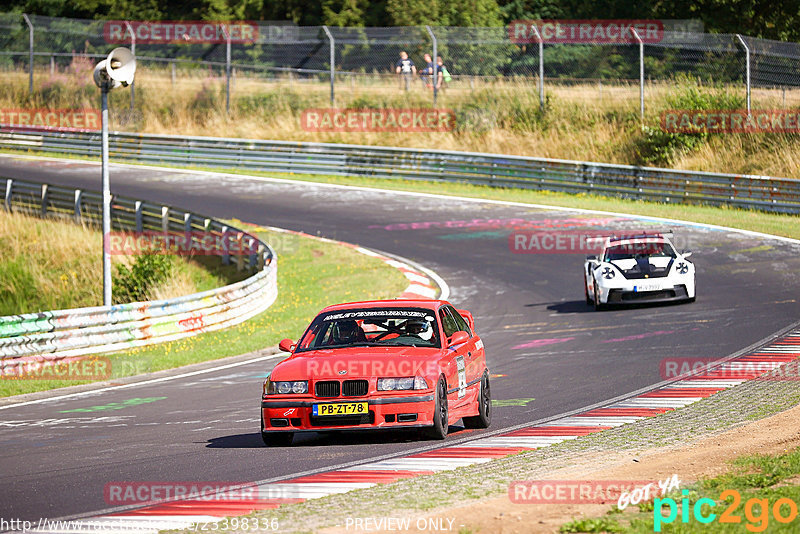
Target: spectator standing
427 73
443 75
405 69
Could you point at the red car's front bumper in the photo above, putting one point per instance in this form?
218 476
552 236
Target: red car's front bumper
287 413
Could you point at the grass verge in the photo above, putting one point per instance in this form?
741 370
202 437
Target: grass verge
311 275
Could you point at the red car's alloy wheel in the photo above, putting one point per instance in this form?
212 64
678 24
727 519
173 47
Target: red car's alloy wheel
440 414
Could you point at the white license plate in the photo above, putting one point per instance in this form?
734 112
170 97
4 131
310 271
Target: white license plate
647 287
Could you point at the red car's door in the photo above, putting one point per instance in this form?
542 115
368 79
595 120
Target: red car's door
475 357
458 361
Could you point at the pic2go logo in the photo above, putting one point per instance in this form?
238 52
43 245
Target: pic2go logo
756 511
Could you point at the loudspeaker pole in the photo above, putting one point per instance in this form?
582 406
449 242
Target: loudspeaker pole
106 199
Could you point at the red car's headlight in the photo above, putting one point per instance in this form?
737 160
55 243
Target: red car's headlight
285 388
401 384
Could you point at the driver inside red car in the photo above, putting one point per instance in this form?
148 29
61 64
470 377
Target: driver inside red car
346 332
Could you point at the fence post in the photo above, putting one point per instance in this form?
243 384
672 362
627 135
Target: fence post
44 201
133 51
30 52
747 67
332 45
227 68
541 66
641 73
434 79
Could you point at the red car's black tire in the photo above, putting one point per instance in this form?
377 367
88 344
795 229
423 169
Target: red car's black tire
484 417
440 412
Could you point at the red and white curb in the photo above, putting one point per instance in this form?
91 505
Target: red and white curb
183 514
423 283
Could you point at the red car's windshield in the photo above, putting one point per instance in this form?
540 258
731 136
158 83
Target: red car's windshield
372 327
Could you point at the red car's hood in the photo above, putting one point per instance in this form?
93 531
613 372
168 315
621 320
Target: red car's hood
359 362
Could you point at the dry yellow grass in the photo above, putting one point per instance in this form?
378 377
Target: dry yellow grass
588 121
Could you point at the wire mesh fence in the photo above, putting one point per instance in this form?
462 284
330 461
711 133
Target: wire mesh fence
372 56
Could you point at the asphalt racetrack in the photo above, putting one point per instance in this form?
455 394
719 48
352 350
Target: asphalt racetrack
550 351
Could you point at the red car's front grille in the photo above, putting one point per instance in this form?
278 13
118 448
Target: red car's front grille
355 388
327 388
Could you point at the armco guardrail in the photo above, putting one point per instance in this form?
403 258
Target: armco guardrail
664 185
67 333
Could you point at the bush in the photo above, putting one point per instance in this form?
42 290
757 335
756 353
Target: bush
147 271
656 146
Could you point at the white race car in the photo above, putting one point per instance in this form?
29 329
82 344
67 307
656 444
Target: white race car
638 268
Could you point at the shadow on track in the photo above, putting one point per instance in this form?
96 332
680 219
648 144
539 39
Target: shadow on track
332 439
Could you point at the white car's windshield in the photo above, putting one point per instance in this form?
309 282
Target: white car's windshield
409 327
642 249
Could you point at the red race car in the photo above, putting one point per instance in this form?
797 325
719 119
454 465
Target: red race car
379 364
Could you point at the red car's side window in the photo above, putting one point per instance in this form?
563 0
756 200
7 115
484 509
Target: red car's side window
449 324
309 338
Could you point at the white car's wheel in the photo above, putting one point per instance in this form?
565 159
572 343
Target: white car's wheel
597 304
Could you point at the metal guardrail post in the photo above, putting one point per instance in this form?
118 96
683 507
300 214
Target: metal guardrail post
240 251
541 65
137 215
226 257
78 204
253 256
165 219
30 52
7 199
44 201
747 70
641 73
332 45
133 51
434 79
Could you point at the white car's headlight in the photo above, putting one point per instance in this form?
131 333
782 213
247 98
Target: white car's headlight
285 388
608 273
400 384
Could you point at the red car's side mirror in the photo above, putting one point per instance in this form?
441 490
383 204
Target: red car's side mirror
458 338
286 345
